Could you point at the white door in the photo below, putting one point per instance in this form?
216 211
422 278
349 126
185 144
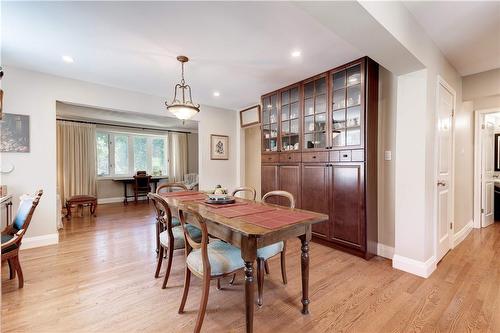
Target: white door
445 163
487 164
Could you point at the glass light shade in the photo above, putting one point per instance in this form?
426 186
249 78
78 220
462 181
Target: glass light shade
183 111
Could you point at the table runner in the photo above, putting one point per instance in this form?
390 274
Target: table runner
179 193
276 218
240 210
197 197
217 206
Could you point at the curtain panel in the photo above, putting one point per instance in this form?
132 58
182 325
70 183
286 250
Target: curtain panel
76 159
177 156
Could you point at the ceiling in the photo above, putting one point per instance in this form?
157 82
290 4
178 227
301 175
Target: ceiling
241 49
468 33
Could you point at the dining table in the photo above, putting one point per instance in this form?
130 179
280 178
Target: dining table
250 225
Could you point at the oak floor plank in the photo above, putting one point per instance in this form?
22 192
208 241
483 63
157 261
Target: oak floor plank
99 278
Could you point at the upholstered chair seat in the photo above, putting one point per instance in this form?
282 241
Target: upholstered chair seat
224 258
270 250
179 236
5 239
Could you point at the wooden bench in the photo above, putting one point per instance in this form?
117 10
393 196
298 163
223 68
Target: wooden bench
81 201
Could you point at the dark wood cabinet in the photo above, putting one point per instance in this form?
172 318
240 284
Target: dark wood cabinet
331 166
316 194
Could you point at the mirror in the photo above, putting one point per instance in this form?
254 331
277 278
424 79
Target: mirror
497 153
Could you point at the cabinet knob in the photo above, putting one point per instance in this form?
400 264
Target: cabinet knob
345 155
289 157
314 156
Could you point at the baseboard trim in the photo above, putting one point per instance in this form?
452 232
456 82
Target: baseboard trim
38 241
462 234
416 267
385 251
101 201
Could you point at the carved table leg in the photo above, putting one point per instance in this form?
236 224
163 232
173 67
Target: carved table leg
249 295
305 274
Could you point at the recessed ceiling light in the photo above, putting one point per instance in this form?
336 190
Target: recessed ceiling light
216 94
68 59
296 53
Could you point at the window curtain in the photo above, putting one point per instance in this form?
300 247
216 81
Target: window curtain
76 159
177 156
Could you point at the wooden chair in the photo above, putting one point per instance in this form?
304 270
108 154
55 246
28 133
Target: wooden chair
169 237
252 191
205 260
12 235
171 187
267 252
142 185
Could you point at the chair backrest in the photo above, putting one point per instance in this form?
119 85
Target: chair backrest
25 212
142 181
170 187
163 214
252 191
282 194
190 178
190 244
141 173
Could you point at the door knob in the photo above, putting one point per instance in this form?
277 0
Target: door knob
441 183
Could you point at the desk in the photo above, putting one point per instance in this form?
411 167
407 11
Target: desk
249 237
6 201
130 180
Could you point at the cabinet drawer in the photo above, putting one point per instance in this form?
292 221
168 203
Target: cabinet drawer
290 157
321 156
270 158
345 156
358 155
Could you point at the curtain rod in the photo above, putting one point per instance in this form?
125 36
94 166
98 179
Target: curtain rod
123 126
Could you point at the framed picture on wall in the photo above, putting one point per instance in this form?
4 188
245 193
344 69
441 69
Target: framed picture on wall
15 133
219 147
250 116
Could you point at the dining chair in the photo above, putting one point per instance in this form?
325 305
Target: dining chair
243 189
267 252
171 187
169 237
207 260
142 185
12 235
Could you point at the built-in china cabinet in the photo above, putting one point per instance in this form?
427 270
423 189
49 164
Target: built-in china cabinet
319 142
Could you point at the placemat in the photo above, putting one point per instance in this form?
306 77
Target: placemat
241 210
276 218
179 193
197 197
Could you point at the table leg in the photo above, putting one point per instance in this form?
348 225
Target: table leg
249 295
305 273
125 193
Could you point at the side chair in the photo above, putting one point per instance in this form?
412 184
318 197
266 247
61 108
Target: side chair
12 235
206 260
170 237
267 252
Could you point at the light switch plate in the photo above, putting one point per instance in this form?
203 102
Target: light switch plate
387 155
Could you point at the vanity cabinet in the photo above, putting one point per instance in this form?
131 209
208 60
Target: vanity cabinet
320 144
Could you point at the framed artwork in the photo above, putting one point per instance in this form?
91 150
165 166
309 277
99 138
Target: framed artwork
219 147
15 133
250 116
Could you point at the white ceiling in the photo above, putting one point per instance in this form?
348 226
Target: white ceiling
468 33
241 49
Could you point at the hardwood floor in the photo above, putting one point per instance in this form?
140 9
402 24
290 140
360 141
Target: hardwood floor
99 278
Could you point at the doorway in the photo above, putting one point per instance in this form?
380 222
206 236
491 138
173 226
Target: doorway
486 168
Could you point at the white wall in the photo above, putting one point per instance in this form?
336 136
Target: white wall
35 94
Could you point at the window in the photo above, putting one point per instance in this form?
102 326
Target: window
123 154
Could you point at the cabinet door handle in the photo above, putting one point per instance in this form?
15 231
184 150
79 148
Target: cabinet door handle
345 155
289 157
314 156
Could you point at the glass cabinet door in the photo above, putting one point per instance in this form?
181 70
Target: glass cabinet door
315 114
270 123
346 108
290 119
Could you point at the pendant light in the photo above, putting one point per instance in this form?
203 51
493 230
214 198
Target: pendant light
182 105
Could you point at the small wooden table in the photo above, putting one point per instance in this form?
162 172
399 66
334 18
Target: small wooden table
81 200
249 237
130 180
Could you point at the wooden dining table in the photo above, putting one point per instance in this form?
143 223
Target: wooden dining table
250 232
